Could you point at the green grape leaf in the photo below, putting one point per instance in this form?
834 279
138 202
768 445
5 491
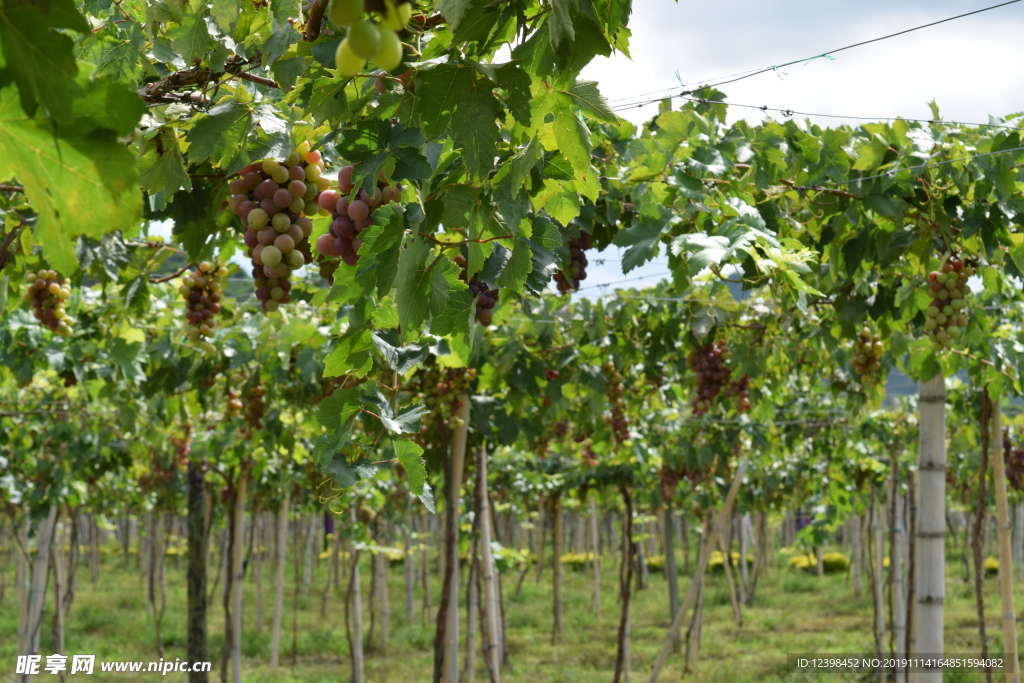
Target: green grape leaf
38 58
79 183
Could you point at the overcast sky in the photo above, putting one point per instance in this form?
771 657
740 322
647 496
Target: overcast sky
971 67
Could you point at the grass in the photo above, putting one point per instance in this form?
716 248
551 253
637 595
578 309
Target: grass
793 613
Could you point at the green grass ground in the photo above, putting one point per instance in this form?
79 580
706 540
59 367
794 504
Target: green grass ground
793 613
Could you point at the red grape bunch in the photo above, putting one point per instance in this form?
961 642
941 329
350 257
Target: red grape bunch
201 289
617 417
741 390
484 297
352 215
709 362
254 406
569 279
47 293
234 405
867 355
1014 458
946 316
271 198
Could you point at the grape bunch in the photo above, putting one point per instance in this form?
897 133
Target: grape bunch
1014 458
270 197
351 216
47 293
946 318
569 279
327 266
867 355
183 446
709 362
201 289
254 406
367 40
234 405
485 298
740 390
617 416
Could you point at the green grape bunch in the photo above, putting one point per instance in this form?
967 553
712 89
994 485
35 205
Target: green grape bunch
273 199
946 315
201 289
47 293
366 39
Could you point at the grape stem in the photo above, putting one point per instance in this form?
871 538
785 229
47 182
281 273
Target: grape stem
167 278
7 187
983 361
818 188
316 18
164 90
8 240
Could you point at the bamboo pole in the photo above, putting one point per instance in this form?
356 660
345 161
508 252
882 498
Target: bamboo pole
724 515
1005 557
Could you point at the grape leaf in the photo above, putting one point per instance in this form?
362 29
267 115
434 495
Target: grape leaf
79 183
586 95
453 10
38 58
411 282
410 455
459 100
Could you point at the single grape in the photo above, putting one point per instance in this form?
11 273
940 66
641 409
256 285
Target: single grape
271 256
389 52
364 38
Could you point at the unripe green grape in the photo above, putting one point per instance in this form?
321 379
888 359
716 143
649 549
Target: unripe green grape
941 318
280 175
281 222
271 256
297 205
271 305
277 293
258 218
397 16
314 172
296 259
364 38
292 159
389 54
269 165
346 61
345 12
